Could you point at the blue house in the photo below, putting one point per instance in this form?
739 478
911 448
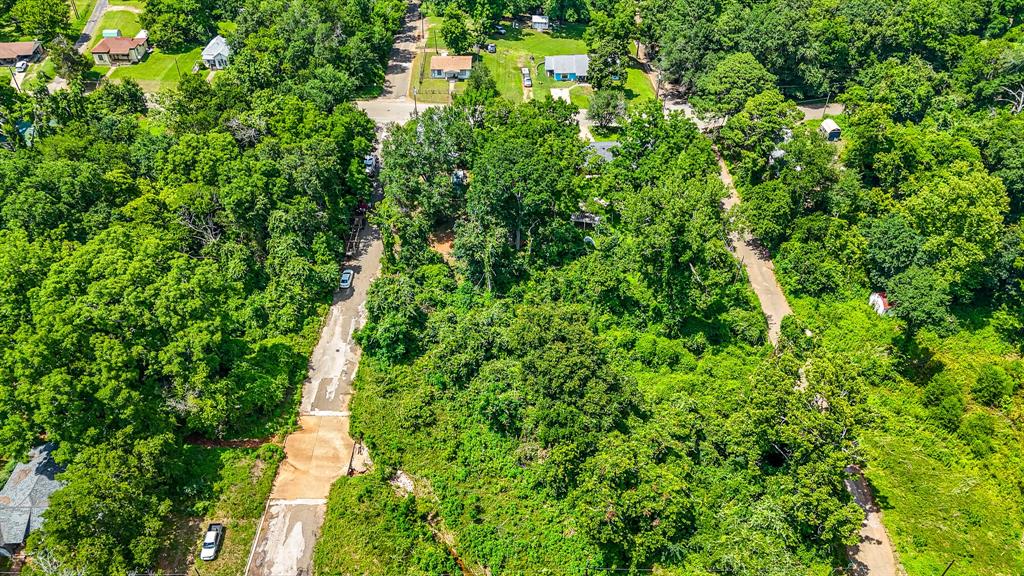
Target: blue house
572 67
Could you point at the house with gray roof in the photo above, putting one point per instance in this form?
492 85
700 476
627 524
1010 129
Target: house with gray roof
25 497
217 53
571 67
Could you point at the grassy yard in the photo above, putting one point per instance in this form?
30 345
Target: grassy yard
429 89
941 498
126 22
160 70
132 3
231 487
515 49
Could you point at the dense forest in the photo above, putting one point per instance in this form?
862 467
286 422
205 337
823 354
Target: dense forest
566 393
163 271
570 399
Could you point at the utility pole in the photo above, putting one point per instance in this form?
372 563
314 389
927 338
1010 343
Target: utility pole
178 70
74 8
948 567
14 78
415 110
823 111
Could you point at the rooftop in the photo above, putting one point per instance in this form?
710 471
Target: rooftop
451 63
604 149
216 47
118 45
567 64
11 50
27 495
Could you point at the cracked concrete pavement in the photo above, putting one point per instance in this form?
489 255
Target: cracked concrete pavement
321 451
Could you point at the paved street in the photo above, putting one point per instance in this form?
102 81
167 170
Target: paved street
396 103
321 451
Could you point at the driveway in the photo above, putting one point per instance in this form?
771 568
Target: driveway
755 259
561 94
90 26
873 554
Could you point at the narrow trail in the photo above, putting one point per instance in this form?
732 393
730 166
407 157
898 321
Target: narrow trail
874 554
755 259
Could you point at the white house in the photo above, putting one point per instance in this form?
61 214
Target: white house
216 53
451 67
539 22
830 130
880 302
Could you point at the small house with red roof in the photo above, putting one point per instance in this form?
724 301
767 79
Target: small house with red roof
120 50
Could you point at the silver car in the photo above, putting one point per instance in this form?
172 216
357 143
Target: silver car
346 278
211 542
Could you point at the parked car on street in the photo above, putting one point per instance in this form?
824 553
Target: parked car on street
370 164
346 278
212 542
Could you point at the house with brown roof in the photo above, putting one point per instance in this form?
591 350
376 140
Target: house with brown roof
120 50
13 52
451 67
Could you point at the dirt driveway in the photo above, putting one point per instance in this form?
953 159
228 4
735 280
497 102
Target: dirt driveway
874 553
760 269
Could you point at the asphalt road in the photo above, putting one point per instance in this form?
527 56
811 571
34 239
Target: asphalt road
321 451
90 26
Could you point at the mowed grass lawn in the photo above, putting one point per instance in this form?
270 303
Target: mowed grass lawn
515 48
160 70
126 22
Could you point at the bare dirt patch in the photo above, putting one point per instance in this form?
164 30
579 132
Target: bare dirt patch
442 243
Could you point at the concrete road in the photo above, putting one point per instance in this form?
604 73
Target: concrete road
874 553
403 51
756 260
286 535
387 110
320 451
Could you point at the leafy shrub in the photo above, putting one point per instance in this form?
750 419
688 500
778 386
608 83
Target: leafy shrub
945 400
977 431
992 386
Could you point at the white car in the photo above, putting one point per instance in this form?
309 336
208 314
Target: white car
21 66
370 164
346 278
211 542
